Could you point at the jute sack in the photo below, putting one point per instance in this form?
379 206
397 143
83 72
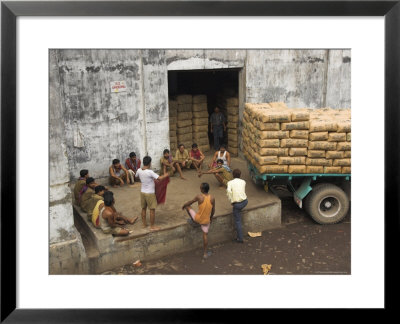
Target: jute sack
184 108
184 130
344 126
232 110
316 154
297 169
273 169
318 125
334 154
299 134
183 99
344 146
267 142
347 154
304 125
336 137
173 113
201 141
348 137
172 133
200 128
184 116
187 144
184 123
184 137
272 134
232 125
318 136
233 144
246 117
267 151
328 146
234 101
199 107
172 127
233 131
200 114
274 116
172 120
197 137
232 138
199 99
278 105
292 142
204 148
173 105
262 160
332 169
297 151
233 119
267 126
323 162
342 162
346 169
300 115
200 121
314 169
233 150
292 160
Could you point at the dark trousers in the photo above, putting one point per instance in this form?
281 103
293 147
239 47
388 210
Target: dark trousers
237 208
218 132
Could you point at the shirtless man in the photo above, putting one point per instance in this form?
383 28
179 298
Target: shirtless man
197 157
220 172
110 219
169 166
222 154
118 174
205 214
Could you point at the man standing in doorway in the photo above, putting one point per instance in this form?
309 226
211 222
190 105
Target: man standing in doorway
148 193
237 196
218 126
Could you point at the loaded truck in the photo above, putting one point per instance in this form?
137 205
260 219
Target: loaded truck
325 197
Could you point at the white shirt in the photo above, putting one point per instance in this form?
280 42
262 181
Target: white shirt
236 190
147 177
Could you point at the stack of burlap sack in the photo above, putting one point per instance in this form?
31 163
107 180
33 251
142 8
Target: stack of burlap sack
277 139
232 112
173 112
184 126
200 122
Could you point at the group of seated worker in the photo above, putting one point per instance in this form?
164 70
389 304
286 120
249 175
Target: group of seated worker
120 174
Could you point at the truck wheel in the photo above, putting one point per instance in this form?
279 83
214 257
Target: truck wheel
327 204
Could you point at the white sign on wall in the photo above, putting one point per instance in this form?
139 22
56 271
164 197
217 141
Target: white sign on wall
118 86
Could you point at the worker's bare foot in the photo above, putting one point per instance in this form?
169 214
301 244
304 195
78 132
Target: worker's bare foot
155 228
183 178
144 225
207 255
133 220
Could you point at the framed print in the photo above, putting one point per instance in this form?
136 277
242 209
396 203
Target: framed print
113 40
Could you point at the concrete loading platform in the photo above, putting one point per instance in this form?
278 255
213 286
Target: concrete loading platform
176 235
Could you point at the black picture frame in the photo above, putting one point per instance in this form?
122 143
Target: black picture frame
10 10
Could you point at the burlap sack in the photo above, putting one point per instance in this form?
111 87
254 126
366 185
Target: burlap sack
232 110
183 99
234 101
184 137
299 134
172 120
233 131
172 127
336 137
201 141
318 136
344 126
267 151
172 113
184 116
232 138
200 121
232 125
300 115
233 119
184 108
334 154
200 128
272 134
233 144
184 123
274 116
332 169
348 137
344 146
292 160
267 142
263 160
323 162
297 169
316 154
347 154
342 162
199 99
199 107
200 135
172 133
173 105
314 169
204 148
233 150
200 114
298 151
293 142
278 105
304 125
273 169
346 170
184 130
328 146
187 144
318 125
267 126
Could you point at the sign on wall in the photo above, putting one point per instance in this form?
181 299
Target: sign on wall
118 86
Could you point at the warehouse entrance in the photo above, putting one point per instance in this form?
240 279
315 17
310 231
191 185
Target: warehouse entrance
194 94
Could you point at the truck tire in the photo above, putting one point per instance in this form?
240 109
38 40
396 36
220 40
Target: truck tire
327 204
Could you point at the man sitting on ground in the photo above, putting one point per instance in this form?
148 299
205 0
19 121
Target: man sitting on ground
91 203
197 157
84 174
118 174
205 214
182 157
168 165
221 172
222 154
132 164
110 219
86 193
